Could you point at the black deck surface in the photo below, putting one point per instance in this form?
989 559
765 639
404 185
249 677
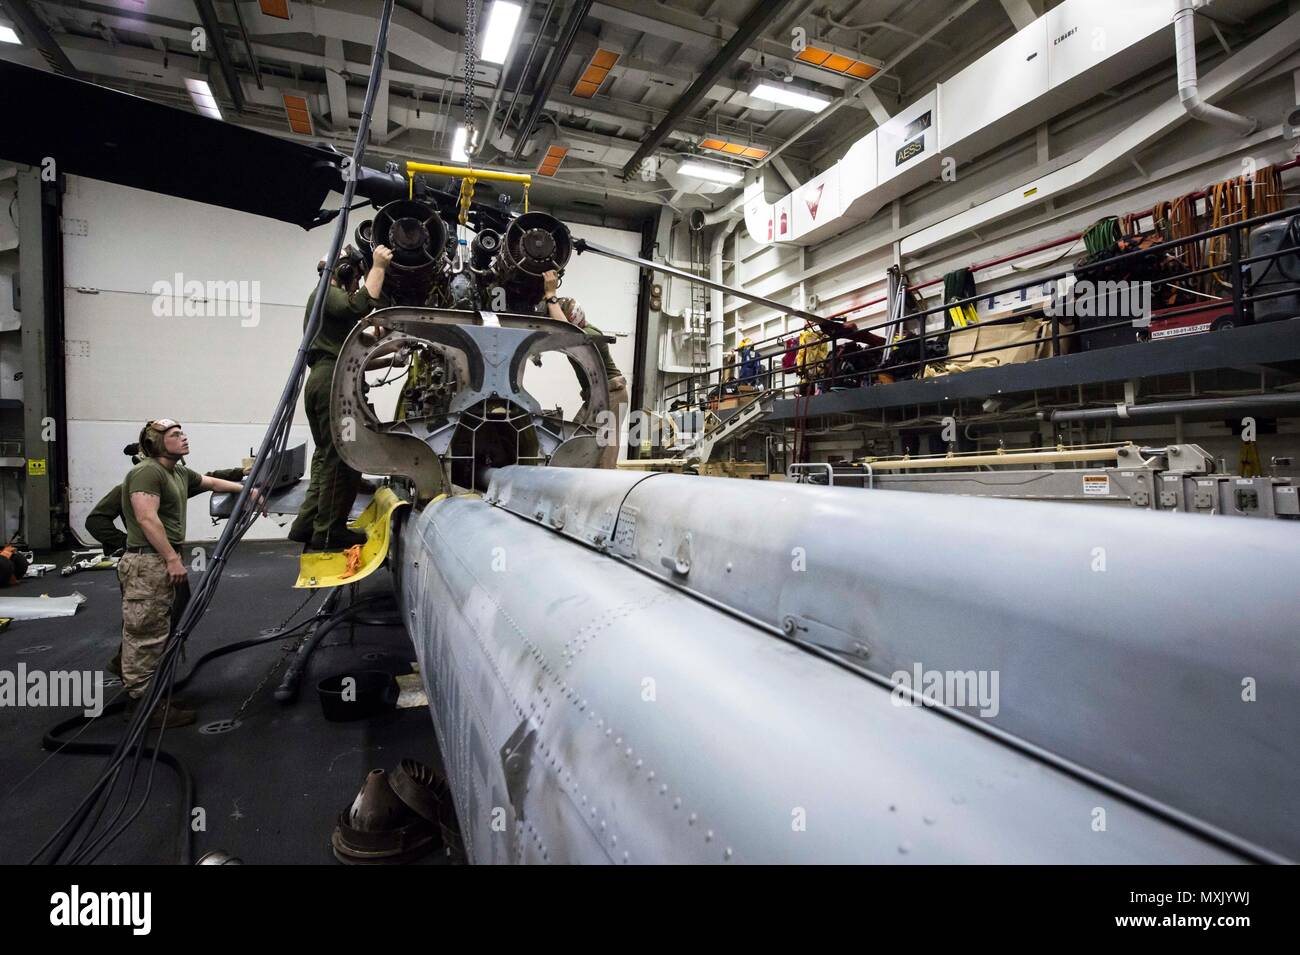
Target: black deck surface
273 787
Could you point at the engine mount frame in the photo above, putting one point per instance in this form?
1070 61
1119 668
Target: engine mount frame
490 352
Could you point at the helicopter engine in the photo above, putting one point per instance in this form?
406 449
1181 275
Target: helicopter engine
417 235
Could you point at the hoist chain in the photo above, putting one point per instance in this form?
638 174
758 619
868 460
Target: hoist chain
471 64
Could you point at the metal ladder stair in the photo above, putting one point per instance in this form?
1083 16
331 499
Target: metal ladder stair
734 427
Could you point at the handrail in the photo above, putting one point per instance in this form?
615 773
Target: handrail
830 471
704 381
1172 243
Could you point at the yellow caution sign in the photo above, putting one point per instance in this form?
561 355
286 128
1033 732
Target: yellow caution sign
336 568
36 467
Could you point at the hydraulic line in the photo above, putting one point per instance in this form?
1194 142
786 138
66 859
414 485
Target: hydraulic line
246 509
290 684
287 691
54 741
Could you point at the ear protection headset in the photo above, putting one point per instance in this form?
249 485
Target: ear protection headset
151 437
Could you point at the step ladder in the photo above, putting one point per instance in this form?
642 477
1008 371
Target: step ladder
699 320
737 426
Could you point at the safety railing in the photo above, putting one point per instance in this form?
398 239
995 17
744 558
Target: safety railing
803 472
883 361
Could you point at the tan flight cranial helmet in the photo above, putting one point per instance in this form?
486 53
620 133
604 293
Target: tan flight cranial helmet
151 434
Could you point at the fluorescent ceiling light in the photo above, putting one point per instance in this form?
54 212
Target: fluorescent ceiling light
204 101
710 171
459 141
7 35
503 20
784 95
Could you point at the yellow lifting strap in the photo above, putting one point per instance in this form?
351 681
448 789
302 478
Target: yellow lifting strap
336 568
466 197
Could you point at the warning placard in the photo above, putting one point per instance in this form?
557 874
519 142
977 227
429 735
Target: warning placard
36 467
1096 485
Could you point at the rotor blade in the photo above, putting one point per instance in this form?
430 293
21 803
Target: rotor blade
100 133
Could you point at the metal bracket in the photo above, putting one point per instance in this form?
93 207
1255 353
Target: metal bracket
806 630
516 759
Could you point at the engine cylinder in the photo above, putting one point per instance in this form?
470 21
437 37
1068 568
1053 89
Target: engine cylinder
417 236
535 243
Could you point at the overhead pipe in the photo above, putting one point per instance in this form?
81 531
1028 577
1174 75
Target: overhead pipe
1188 85
248 48
217 36
528 64
1277 402
716 302
877 25
729 217
567 35
728 212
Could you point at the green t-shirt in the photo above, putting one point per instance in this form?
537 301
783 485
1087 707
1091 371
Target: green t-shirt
172 488
110 505
341 314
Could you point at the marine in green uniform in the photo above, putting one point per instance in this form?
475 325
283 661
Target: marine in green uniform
101 522
154 582
322 522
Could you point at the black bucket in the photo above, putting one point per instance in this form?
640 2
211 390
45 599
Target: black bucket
372 693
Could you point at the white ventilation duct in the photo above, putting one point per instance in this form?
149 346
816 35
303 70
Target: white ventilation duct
1188 85
1248 62
1075 51
730 211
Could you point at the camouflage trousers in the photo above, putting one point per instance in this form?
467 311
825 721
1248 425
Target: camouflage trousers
150 605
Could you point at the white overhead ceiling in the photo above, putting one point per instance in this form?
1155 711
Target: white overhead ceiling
323 53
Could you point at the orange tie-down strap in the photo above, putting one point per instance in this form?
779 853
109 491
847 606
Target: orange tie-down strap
353 555
335 568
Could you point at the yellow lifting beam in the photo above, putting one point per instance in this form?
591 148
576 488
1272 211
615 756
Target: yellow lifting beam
490 175
468 176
